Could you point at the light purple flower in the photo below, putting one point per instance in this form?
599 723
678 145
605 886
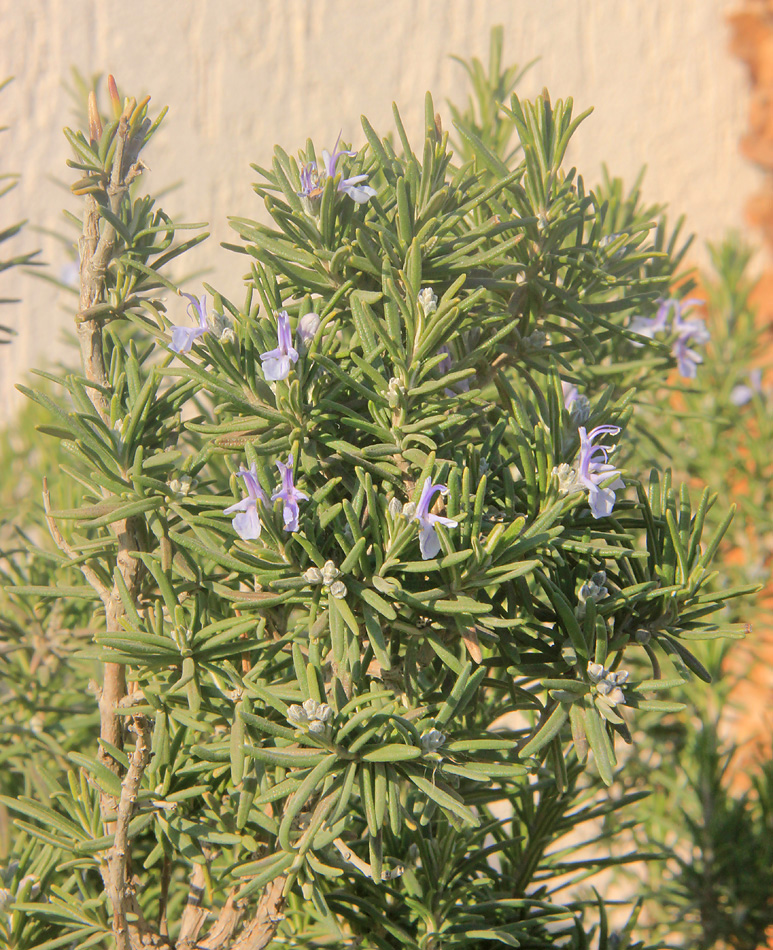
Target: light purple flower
332 160
570 393
311 181
649 326
575 403
593 468
313 178
429 542
687 360
246 523
444 367
276 362
289 494
692 330
183 337
358 192
741 394
686 329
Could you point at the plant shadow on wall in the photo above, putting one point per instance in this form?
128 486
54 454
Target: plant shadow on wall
405 503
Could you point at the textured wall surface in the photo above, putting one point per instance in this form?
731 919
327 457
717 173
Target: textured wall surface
240 75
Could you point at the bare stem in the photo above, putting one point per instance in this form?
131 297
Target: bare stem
193 915
261 929
126 935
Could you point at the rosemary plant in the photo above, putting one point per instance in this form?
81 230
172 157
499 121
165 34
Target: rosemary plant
374 599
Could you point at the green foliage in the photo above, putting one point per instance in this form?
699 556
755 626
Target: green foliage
712 822
362 724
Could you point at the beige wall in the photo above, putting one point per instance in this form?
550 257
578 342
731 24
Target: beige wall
239 75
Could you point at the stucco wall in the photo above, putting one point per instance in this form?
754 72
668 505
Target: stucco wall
239 75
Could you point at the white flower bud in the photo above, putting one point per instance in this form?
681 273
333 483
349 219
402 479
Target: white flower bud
395 392
313 715
313 575
596 672
567 478
307 329
594 590
221 326
329 573
618 678
614 695
338 590
183 485
297 715
428 300
395 508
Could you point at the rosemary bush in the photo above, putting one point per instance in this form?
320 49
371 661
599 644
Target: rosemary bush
712 816
369 596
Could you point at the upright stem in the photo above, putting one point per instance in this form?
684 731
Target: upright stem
97 248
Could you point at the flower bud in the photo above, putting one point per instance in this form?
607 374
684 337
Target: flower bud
395 392
115 99
338 590
432 740
428 300
329 573
95 123
307 329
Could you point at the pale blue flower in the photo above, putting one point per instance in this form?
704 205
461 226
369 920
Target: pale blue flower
184 337
354 187
690 330
741 394
444 367
649 326
687 360
570 394
593 468
311 182
429 542
276 362
313 177
246 523
289 495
